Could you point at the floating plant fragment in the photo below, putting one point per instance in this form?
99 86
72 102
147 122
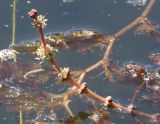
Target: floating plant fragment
7 54
86 34
28 1
137 2
134 70
67 1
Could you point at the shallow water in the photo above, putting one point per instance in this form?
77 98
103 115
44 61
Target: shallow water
106 17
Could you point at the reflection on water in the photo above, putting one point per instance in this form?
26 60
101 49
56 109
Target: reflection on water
104 17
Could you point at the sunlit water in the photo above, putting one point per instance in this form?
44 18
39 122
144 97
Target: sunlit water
106 17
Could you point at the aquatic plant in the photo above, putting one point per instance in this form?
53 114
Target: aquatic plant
34 99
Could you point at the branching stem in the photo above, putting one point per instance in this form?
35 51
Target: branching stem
86 90
117 35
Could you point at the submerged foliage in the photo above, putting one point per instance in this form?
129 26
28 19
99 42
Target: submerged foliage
80 40
16 99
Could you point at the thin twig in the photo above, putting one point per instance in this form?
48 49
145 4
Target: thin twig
32 72
127 28
68 109
89 69
137 92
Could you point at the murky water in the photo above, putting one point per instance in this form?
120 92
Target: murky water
106 17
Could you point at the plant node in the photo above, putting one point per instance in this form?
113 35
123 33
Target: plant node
64 74
130 108
82 88
108 101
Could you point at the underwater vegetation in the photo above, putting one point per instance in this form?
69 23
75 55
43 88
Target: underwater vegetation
25 67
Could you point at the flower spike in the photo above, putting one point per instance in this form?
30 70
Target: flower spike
33 13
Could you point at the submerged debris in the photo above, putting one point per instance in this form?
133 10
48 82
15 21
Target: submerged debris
112 71
56 40
155 58
134 70
16 99
32 100
16 72
75 40
152 91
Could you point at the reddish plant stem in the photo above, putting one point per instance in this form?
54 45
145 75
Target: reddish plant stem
148 8
87 91
58 69
140 113
74 82
55 65
39 25
89 69
93 66
109 48
42 36
100 98
134 111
